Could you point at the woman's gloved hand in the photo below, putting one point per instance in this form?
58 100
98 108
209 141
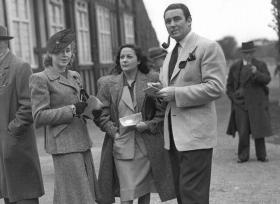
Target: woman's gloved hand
80 107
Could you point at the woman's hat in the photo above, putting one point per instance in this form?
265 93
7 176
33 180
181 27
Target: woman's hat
156 52
4 33
60 40
248 47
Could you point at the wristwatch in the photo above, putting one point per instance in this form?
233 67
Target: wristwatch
73 107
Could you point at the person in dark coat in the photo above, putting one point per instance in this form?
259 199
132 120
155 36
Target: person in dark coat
133 160
20 171
247 89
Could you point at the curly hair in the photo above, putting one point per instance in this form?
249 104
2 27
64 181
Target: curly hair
142 67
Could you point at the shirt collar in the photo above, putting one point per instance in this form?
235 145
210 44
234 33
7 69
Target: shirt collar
125 83
185 39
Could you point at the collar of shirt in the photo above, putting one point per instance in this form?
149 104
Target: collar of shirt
245 62
125 83
183 42
4 55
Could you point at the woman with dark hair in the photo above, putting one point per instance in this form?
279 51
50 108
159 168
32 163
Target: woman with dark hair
56 106
133 161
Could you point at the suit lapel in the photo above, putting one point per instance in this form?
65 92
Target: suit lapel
164 76
141 83
6 61
116 90
187 48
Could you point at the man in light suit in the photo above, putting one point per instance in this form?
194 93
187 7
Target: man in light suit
193 77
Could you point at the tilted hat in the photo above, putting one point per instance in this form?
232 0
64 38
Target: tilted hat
156 52
60 40
248 47
4 33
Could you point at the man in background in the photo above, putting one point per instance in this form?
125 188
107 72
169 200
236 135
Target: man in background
247 89
157 55
20 171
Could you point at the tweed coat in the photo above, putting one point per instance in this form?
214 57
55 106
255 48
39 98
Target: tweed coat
255 98
110 93
52 96
197 86
20 171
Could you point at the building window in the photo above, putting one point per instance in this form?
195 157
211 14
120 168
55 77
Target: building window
104 35
83 32
128 28
20 27
56 17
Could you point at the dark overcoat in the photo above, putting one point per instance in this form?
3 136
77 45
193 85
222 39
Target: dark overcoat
20 171
255 98
110 93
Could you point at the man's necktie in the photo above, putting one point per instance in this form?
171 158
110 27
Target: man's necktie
173 60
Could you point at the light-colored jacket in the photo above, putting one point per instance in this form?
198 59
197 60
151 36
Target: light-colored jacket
52 96
197 85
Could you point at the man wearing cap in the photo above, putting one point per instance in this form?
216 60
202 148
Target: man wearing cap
157 55
20 171
248 92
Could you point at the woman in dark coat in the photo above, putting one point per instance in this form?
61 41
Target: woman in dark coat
56 106
133 161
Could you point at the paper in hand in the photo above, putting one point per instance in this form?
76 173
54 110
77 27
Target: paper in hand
131 120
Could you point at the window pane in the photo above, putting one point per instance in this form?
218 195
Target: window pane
83 31
104 35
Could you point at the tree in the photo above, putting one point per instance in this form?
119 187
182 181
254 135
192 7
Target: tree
229 46
276 20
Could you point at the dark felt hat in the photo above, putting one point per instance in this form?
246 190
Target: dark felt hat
248 47
4 33
156 52
60 40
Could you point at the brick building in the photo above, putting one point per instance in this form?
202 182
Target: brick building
101 27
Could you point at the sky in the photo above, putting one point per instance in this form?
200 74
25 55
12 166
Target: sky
244 19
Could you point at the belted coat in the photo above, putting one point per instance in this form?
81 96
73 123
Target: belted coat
20 171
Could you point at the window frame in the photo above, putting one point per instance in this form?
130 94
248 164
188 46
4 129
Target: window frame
87 41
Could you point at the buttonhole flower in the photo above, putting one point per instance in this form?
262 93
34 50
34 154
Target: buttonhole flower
190 58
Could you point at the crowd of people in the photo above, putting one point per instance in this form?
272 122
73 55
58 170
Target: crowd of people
169 148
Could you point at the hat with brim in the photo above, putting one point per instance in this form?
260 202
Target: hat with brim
60 40
156 52
4 33
248 47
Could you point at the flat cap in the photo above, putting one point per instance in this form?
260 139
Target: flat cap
60 40
156 52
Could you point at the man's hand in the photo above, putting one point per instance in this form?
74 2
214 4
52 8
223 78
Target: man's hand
167 93
253 69
116 135
141 127
155 84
